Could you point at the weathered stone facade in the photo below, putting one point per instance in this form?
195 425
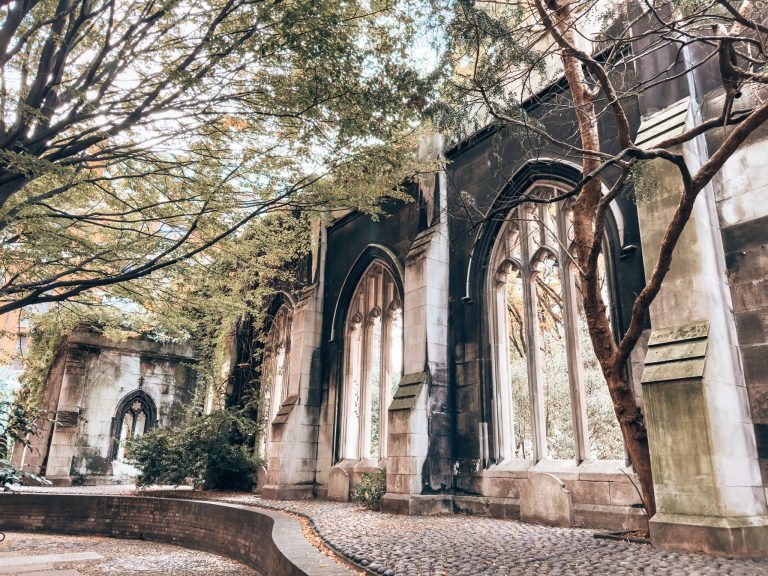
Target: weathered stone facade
98 393
397 352
699 371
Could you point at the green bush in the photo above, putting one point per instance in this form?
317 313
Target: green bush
10 475
370 489
17 424
212 450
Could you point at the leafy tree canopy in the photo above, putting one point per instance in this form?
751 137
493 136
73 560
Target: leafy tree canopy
136 134
201 303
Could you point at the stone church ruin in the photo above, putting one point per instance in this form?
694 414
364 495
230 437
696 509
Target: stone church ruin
446 342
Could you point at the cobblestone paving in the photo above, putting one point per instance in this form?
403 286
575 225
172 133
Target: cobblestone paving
120 557
468 545
396 545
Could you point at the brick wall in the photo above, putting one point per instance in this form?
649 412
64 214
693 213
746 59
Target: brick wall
270 542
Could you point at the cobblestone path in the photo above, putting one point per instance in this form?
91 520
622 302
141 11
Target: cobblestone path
396 545
47 555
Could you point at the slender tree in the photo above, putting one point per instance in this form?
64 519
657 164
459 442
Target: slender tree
505 54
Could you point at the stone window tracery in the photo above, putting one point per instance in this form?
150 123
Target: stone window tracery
135 416
550 399
275 377
373 359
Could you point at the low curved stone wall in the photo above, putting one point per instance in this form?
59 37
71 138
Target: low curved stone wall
270 542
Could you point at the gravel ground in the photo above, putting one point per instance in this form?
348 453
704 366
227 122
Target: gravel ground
121 557
468 545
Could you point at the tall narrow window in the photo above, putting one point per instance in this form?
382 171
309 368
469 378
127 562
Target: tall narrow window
394 347
134 416
274 382
552 344
517 359
550 398
605 440
373 344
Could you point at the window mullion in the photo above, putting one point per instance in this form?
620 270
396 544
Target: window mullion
345 392
286 380
502 390
384 376
575 360
535 378
363 408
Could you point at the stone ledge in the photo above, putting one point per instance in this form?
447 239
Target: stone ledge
422 505
589 470
288 492
605 517
585 515
745 537
182 352
270 542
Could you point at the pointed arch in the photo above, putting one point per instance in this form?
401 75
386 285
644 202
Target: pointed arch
541 364
275 369
135 415
369 327
531 174
369 254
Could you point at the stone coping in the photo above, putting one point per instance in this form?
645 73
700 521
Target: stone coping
589 470
135 345
269 541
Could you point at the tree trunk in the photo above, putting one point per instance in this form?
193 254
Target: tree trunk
635 435
586 234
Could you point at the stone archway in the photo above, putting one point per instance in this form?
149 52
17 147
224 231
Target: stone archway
135 415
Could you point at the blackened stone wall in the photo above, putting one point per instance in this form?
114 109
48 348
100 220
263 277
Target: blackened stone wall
353 242
485 176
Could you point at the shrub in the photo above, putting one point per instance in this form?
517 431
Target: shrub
370 489
17 424
212 450
10 475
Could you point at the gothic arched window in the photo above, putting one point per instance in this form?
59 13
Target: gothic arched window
275 365
550 397
373 360
134 416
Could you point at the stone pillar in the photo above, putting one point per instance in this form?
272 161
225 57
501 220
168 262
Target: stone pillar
32 458
419 450
706 476
292 451
68 411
